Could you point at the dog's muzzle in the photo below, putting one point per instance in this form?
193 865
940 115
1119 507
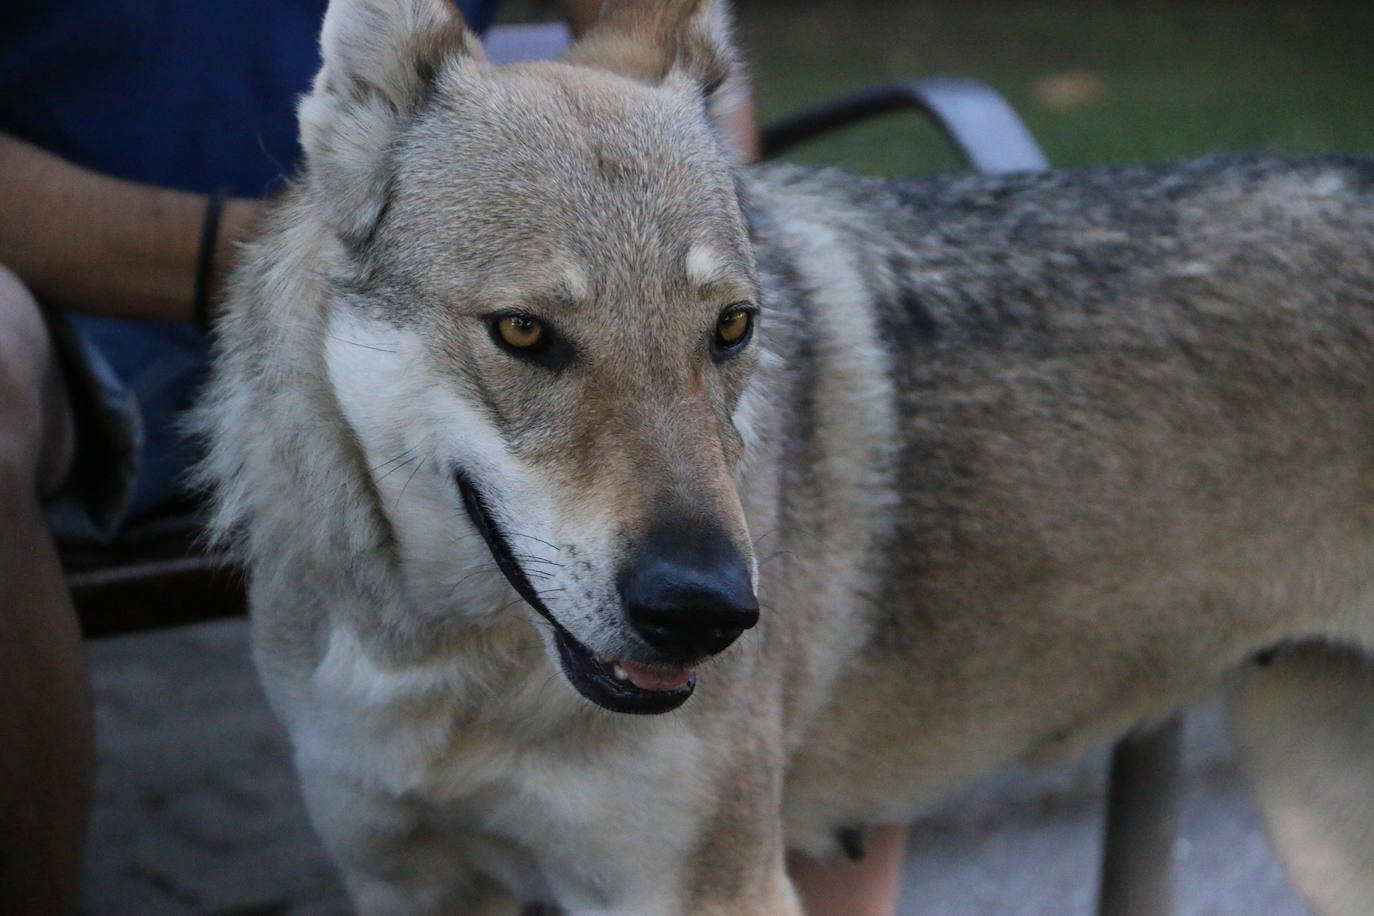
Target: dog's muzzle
687 596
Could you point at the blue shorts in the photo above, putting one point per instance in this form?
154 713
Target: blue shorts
129 383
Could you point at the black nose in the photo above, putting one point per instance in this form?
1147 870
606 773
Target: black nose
687 592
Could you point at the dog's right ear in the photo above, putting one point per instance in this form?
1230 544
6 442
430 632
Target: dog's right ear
380 62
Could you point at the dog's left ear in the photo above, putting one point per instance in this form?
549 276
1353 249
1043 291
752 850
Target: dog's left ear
653 41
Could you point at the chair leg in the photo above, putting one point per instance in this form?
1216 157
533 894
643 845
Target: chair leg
1142 812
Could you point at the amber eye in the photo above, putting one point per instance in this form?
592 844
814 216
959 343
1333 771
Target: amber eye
530 339
732 328
519 332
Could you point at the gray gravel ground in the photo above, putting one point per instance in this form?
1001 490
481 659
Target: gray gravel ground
197 810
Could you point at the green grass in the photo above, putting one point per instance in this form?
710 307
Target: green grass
1176 78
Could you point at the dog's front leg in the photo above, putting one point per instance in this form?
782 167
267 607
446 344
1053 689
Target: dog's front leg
392 862
725 876
677 822
738 867
770 894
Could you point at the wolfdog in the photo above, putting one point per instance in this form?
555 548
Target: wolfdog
618 519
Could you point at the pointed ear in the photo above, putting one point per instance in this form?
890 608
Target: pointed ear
380 62
653 40
394 48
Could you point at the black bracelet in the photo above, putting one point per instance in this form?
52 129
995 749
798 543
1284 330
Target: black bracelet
205 260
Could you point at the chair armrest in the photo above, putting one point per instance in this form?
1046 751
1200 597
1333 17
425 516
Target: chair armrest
976 119
508 44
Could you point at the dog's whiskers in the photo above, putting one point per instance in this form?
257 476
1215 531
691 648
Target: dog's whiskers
767 534
521 534
774 555
416 470
508 605
531 558
378 467
493 568
404 464
358 344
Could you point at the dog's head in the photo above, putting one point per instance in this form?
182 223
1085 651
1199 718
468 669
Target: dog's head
543 321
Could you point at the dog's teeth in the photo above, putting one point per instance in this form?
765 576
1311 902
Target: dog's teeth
619 672
604 659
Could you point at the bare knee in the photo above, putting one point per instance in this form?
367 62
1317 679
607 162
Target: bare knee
1304 726
35 421
871 885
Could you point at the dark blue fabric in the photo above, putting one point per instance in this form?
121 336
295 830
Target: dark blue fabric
188 94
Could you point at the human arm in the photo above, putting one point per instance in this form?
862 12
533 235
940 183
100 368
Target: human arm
103 245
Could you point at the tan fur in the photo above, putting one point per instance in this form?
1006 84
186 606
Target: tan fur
1015 463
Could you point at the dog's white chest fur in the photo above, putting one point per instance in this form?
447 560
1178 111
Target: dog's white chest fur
484 772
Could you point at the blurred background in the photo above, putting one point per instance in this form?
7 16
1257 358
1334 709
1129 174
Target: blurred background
1095 81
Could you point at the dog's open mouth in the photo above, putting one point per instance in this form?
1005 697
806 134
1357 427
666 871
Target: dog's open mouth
619 685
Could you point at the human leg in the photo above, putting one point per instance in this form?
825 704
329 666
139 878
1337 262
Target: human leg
1304 726
868 887
46 742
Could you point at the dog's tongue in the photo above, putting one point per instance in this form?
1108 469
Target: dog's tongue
646 678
